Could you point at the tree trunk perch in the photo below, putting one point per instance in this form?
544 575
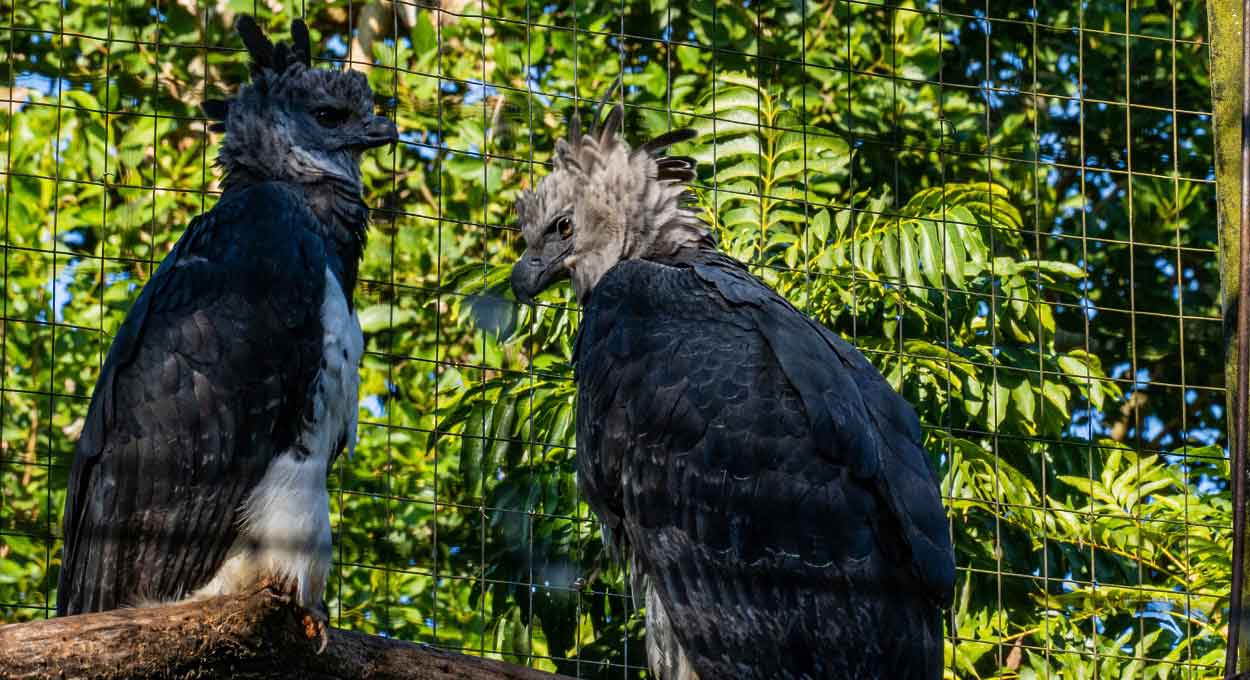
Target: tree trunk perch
248 636
1224 19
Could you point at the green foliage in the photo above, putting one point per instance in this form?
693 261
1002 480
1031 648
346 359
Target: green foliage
1052 315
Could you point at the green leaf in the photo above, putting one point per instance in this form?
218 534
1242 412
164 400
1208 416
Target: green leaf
910 262
729 98
1073 366
819 226
842 220
1000 401
472 446
890 260
375 318
721 151
748 167
503 418
930 247
1067 269
790 168
957 270
1022 399
1058 395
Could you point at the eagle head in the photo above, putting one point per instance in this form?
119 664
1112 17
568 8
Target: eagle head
605 202
293 122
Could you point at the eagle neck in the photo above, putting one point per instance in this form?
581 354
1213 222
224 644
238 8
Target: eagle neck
692 254
342 219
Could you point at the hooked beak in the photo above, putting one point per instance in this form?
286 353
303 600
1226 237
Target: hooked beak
378 131
531 276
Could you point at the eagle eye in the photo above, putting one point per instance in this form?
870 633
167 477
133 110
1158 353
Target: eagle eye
562 225
329 116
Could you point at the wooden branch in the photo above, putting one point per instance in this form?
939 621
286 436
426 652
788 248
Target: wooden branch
248 636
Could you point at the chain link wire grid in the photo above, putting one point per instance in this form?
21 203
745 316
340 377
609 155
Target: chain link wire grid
1008 206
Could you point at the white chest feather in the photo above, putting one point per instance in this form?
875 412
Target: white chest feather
285 532
667 659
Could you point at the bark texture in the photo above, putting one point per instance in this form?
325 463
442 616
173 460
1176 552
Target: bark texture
248 636
1225 21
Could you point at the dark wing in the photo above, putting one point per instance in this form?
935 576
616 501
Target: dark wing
762 475
848 402
203 386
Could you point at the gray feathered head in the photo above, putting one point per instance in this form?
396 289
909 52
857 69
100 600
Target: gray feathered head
294 122
605 202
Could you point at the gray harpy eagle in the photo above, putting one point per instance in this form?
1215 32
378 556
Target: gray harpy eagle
766 484
232 384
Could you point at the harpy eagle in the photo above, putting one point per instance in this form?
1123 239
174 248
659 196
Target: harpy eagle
765 483
231 386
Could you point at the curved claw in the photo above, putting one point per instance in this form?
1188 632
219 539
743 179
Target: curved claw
315 627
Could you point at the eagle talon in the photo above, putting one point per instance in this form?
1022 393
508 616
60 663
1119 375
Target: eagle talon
315 628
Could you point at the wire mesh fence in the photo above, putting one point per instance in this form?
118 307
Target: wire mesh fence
1009 206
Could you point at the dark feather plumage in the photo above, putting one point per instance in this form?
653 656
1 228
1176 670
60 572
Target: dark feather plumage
266 56
765 484
167 456
675 168
217 110
603 101
259 47
612 124
231 386
667 139
768 483
301 42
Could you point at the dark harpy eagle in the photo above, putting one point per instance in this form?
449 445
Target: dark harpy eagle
766 484
232 384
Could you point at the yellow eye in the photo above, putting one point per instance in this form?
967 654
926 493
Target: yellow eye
564 225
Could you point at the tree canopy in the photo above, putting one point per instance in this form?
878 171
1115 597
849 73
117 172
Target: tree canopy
1008 206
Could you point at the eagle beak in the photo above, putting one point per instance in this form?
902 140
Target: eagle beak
531 276
378 131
